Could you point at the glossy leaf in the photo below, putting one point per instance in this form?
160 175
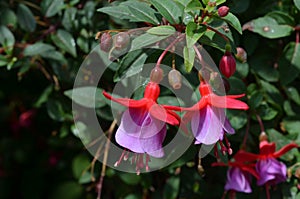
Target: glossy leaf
79 165
65 41
238 119
26 18
171 188
143 12
162 30
120 11
90 97
297 4
293 93
289 66
193 5
282 18
268 27
7 39
233 21
145 40
52 7
193 33
189 58
37 49
168 9
8 17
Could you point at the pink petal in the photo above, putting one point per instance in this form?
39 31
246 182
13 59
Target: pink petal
126 101
227 102
162 114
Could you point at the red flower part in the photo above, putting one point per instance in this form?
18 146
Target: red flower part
223 11
149 103
269 149
227 64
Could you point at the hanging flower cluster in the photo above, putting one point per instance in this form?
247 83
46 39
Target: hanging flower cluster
143 125
263 166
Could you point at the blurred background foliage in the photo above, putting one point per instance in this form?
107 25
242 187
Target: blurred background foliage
44 42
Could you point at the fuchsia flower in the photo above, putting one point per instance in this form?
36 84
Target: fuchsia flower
240 171
271 170
143 125
208 121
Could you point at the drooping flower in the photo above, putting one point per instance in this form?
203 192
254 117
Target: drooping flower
208 120
271 170
241 168
143 125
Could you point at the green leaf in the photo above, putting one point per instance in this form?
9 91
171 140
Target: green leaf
60 191
143 12
3 61
79 164
69 17
65 41
273 94
26 18
293 94
282 18
37 49
189 58
51 7
121 12
232 20
145 40
289 65
90 97
255 99
43 97
238 6
297 4
55 110
171 188
8 17
237 118
169 10
193 33
268 27
162 30
193 5
130 178
266 112
7 39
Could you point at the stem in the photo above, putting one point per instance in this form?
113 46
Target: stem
105 156
166 50
262 128
267 191
201 59
246 134
216 31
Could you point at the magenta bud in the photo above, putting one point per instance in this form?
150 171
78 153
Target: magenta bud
174 78
227 65
241 55
223 11
121 40
156 75
105 42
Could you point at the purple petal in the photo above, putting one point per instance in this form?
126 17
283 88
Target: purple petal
238 180
271 170
206 125
144 136
227 126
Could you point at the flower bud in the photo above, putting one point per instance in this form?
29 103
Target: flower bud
121 41
227 64
105 42
174 78
263 137
156 75
223 11
241 55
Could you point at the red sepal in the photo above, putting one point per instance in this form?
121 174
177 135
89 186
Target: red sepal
126 101
267 148
285 149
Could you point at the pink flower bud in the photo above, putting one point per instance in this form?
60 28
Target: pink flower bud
105 42
227 65
241 55
121 40
174 78
223 11
156 75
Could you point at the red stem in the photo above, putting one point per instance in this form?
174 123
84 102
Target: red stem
166 50
267 191
218 32
262 128
246 134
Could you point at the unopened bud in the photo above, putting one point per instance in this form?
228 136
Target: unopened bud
227 65
223 11
105 42
156 75
174 78
121 41
241 55
263 137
